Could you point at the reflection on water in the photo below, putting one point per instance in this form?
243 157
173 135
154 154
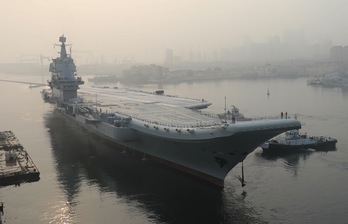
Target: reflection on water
85 180
330 89
159 193
291 161
61 212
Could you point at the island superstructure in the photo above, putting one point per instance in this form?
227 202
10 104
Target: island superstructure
170 129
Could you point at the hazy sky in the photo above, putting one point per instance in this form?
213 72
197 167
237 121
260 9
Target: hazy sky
143 29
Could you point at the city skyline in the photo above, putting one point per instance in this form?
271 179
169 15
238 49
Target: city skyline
142 30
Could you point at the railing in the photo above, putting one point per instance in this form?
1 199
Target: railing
173 125
199 124
242 119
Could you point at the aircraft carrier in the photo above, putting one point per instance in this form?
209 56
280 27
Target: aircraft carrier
174 130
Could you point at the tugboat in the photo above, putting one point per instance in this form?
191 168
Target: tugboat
294 141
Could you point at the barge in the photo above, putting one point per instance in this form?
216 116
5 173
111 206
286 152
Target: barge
16 166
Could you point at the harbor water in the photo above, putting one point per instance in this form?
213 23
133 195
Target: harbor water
84 179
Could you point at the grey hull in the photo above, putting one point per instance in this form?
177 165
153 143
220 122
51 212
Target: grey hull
209 159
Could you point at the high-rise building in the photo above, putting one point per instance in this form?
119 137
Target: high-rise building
339 54
169 58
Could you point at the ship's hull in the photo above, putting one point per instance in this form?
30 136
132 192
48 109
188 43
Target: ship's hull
210 160
207 158
17 179
285 148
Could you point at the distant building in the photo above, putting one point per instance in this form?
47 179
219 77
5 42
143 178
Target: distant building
169 58
144 73
339 54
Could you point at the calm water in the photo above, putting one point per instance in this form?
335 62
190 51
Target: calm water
84 180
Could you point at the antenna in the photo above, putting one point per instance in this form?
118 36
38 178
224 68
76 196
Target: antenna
62 39
225 110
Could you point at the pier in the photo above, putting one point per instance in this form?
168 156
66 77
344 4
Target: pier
16 166
31 84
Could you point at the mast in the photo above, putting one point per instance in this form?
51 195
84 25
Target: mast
63 53
225 111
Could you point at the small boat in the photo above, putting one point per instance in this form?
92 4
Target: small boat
294 141
314 81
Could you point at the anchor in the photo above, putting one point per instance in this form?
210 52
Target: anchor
1 211
241 178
